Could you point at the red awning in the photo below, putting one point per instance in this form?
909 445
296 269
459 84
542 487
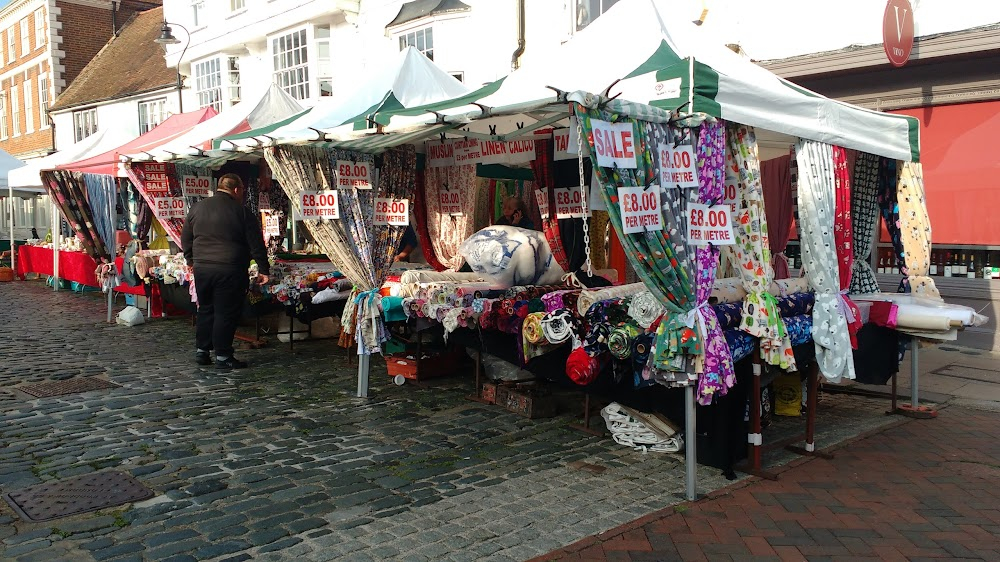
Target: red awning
173 127
959 151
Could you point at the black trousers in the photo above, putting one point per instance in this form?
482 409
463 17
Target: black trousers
221 294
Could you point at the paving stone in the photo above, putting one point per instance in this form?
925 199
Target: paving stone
221 549
279 545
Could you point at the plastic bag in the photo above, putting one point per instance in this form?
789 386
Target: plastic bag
788 395
509 256
130 316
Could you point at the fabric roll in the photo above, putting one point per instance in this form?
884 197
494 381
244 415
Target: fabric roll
799 328
421 276
392 309
589 297
450 320
741 344
921 318
558 326
531 330
796 304
441 311
620 340
729 315
581 368
645 309
729 289
641 347
554 300
781 287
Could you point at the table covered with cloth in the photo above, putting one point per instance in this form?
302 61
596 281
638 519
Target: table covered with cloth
73 266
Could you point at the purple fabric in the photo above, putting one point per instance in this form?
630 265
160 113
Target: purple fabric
718 377
776 175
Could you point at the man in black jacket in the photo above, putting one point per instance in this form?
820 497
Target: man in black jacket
219 238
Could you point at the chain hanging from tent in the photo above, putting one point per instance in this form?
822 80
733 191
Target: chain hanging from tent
583 198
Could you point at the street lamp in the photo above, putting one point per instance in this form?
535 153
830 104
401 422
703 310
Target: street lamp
167 38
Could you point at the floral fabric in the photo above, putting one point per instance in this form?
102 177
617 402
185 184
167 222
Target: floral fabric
545 179
420 217
753 254
447 232
915 229
68 191
817 206
864 214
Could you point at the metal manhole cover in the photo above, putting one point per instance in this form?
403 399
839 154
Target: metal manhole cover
73 496
71 386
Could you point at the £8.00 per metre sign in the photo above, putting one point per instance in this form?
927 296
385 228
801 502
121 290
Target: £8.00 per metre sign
320 204
354 174
709 225
640 209
393 212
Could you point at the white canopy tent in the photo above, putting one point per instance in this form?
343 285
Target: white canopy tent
8 163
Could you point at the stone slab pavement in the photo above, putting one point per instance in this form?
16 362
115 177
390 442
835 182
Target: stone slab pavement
282 462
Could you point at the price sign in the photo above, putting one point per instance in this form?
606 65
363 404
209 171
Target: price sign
320 204
640 209
393 212
677 168
710 225
614 144
354 174
155 178
451 201
506 152
569 203
170 208
542 198
440 154
272 225
731 191
196 186
467 151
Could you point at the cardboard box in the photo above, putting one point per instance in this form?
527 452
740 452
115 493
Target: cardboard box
530 401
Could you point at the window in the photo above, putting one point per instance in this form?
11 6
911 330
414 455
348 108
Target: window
15 111
84 123
291 64
198 13
29 108
233 74
237 5
11 55
422 39
3 115
208 83
25 40
43 101
39 27
324 63
151 114
586 11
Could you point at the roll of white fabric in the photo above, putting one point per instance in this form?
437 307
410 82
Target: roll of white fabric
589 297
438 277
645 309
922 317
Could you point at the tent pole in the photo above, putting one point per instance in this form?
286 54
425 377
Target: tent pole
690 446
56 241
364 362
914 373
13 248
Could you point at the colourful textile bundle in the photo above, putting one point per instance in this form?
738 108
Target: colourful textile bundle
796 304
741 344
799 328
620 340
558 326
645 309
730 315
641 347
531 329
589 297
581 367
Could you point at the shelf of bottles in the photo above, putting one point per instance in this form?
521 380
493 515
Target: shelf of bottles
954 262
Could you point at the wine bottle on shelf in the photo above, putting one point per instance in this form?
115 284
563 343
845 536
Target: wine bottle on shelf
934 267
994 270
963 267
971 267
947 265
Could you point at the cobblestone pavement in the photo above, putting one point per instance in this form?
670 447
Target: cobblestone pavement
282 462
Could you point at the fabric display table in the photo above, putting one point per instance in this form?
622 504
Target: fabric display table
73 266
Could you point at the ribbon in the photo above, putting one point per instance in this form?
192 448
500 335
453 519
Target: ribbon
844 306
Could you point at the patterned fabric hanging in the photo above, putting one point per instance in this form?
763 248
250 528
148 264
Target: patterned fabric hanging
843 236
753 254
915 229
865 214
817 206
541 166
888 180
420 217
102 196
67 190
447 232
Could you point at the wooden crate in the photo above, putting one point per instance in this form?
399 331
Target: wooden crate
435 365
489 392
530 401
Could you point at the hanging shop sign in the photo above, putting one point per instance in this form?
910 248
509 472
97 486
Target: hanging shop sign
677 166
272 224
507 152
170 208
614 144
451 201
640 209
392 212
567 142
731 191
467 151
155 178
354 174
710 225
542 198
569 203
440 154
897 31
320 204
196 186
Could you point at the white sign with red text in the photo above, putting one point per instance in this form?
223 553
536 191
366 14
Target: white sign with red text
710 225
451 201
731 191
677 166
542 198
614 144
196 186
392 212
170 207
640 209
467 152
567 142
320 204
507 152
440 154
354 174
272 225
569 203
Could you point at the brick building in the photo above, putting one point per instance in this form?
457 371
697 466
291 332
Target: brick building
45 44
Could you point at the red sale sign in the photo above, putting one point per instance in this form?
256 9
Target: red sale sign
196 186
170 208
451 201
392 212
354 174
155 178
709 225
614 144
677 166
320 204
640 209
569 203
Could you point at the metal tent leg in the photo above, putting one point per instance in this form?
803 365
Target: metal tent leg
364 362
690 446
915 410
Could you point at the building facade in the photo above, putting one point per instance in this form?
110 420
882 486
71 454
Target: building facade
45 46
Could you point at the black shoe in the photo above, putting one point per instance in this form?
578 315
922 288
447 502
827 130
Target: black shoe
202 358
231 363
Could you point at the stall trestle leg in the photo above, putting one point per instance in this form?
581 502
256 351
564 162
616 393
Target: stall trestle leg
111 304
811 399
586 419
914 410
754 440
477 392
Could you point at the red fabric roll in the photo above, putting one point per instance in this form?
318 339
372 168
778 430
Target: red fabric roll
581 368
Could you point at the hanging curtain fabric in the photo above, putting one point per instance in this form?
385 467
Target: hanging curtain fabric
843 237
718 376
864 214
888 180
915 229
102 196
161 241
817 206
68 191
420 216
156 180
776 177
660 258
752 254
448 231
541 166
363 251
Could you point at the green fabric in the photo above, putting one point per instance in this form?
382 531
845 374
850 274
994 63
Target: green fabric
381 111
706 88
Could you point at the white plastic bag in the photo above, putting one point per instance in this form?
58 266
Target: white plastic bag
511 256
131 316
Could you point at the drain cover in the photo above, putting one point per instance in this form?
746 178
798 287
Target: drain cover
73 496
71 386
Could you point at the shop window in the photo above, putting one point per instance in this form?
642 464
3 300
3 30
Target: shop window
25 39
43 101
15 111
421 39
151 114
324 62
29 108
3 116
586 11
39 27
198 13
291 64
208 83
237 5
11 54
233 75
84 123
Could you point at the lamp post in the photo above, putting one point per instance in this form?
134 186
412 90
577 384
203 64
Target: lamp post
167 38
